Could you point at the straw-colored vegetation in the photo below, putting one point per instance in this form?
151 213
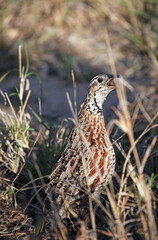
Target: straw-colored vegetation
58 33
128 208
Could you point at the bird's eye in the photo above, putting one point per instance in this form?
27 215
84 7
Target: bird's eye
100 80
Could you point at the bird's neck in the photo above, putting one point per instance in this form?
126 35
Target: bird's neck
94 103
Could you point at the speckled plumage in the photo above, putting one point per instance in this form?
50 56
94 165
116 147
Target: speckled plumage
88 159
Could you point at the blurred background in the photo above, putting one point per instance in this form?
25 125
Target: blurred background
70 34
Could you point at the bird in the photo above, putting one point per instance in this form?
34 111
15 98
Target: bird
87 161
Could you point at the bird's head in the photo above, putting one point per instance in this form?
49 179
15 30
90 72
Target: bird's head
102 82
100 86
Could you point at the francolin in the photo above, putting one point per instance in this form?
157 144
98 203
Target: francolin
87 161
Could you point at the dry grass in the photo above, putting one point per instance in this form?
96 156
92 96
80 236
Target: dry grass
132 199
128 206
57 34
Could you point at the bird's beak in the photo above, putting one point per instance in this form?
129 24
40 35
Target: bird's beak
110 83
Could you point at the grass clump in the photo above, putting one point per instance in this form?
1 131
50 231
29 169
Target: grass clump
17 128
